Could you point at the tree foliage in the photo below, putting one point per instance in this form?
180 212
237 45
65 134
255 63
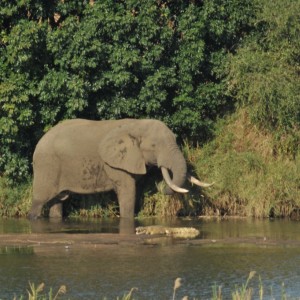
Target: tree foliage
106 59
264 74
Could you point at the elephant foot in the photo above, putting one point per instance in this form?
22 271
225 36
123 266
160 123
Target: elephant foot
35 213
33 216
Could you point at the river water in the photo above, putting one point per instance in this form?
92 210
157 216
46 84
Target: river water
112 270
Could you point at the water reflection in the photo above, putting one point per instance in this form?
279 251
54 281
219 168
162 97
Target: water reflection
12 225
251 228
110 271
209 228
16 250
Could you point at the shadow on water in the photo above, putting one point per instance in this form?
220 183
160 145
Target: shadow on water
112 270
54 225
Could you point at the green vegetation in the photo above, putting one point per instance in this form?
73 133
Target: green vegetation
15 201
224 75
250 179
264 75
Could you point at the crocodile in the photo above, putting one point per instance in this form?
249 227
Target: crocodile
180 232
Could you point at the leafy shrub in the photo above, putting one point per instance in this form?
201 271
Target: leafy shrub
250 181
110 60
264 73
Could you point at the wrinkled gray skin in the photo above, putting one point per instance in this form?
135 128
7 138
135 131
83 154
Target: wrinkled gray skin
85 157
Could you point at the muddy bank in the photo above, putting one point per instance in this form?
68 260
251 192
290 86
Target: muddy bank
94 240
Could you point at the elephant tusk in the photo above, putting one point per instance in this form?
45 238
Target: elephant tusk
194 180
171 184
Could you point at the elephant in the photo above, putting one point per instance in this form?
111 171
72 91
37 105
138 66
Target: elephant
86 156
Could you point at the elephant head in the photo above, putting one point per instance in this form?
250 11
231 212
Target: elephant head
134 145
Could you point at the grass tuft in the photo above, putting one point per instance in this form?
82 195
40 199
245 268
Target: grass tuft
36 293
177 285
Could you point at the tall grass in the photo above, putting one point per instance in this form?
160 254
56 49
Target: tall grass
251 178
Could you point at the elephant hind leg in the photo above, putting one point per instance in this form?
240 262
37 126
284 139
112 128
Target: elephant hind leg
45 186
52 208
42 202
56 208
56 211
36 210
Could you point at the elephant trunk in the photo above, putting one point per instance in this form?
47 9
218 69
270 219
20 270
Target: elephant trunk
173 160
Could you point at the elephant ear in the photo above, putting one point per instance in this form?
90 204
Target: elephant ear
122 151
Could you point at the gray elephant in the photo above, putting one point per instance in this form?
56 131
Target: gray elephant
82 156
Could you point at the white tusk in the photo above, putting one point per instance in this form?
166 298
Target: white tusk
170 183
198 182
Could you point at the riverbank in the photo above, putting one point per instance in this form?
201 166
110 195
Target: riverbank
252 179
254 175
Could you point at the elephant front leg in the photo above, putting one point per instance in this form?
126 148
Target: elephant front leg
126 193
124 185
126 197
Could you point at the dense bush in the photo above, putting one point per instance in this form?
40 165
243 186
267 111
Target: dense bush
264 74
250 181
113 59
